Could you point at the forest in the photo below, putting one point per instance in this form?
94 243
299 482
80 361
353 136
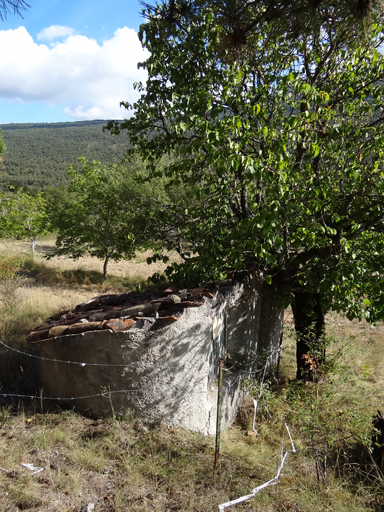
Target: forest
39 154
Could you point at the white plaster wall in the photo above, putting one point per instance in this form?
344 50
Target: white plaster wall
167 374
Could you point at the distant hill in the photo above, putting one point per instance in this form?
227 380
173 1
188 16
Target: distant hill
39 154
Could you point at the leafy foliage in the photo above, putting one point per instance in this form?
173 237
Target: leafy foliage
23 216
110 211
105 213
281 142
290 18
13 6
286 145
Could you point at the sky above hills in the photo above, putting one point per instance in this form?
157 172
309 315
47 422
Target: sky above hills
69 60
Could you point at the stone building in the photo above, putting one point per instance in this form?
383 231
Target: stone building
157 358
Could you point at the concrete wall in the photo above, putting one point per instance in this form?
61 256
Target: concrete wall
167 374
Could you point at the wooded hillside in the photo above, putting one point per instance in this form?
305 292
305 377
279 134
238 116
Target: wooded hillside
39 154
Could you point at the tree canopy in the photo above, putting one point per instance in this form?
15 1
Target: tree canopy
23 216
107 212
13 7
281 141
239 18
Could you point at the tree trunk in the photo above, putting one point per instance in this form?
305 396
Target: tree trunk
33 244
105 264
310 330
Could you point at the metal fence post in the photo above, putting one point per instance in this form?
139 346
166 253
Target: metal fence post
218 420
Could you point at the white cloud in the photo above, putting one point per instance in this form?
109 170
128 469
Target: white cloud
55 32
89 80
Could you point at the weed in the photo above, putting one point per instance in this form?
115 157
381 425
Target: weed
330 427
5 413
366 371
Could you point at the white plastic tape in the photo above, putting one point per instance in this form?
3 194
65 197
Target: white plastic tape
274 481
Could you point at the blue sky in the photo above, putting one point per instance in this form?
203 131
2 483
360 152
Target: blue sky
69 60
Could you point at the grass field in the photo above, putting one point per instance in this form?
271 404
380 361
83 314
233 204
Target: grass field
117 464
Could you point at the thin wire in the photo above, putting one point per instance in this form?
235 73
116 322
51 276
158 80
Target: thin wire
232 384
126 365
34 397
79 363
277 350
135 390
105 394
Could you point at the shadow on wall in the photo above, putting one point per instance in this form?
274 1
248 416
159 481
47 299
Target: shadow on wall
167 374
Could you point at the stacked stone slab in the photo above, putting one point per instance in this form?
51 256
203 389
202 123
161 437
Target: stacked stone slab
118 313
157 358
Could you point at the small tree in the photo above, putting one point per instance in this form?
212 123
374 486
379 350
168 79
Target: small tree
23 216
283 140
105 213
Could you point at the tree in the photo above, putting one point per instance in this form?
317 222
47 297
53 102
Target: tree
281 141
105 214
56 200
23 216
2 144
12 6
290 17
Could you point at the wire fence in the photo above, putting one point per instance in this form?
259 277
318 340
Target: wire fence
106 394
81 363
240 368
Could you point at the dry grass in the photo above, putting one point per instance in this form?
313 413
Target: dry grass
117 465
137 267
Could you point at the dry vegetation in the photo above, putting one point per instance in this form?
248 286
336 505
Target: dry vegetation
116 464
136 268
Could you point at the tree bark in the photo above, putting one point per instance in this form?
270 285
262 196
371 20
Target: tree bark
310 329
33 244
105 264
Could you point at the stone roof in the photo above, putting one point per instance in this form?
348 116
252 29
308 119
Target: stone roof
146 310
